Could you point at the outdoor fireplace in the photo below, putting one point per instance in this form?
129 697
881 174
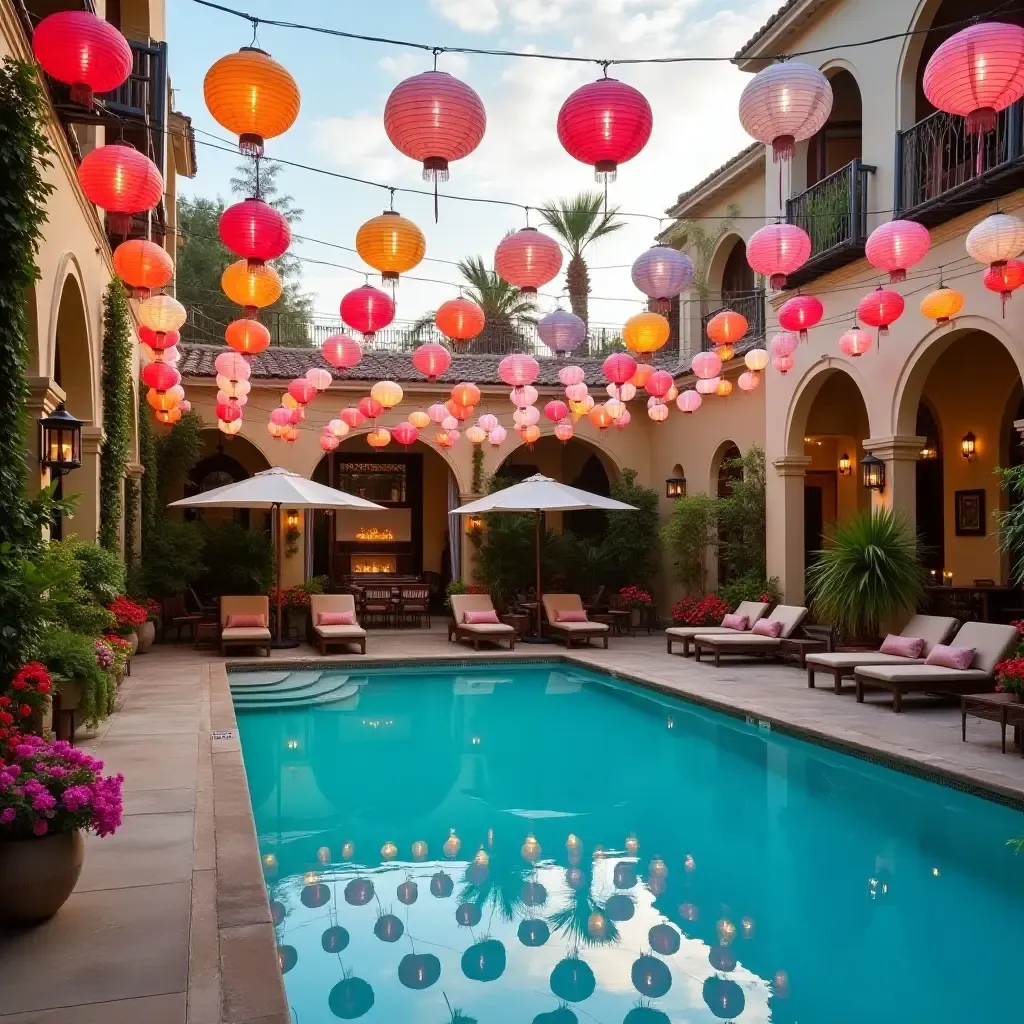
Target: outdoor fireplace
373 564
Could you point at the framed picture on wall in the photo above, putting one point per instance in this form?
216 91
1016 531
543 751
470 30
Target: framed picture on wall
969 511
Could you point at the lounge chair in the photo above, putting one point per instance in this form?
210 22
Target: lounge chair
991 642
556 605
753 610
327 634
248 607
491 632
788 616
932 629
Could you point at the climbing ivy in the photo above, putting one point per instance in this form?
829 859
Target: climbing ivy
478 468
131 522
117 411
24 152
150 483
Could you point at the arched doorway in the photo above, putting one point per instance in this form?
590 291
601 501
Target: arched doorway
838 141
728 471
415 536
226 460
731 285
931 519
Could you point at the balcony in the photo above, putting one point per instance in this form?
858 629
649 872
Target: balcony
751 306
834 213
941 170
143 98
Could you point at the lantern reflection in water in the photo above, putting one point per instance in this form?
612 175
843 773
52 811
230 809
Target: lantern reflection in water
388 928
419 970
651 977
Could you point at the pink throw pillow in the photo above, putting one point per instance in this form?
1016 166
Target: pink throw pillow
336 618
246 622
767 627
951 657
903 646
572 615
480 618
740 622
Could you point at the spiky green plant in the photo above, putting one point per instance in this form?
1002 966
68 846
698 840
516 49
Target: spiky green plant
868 572
574 918
1010 523
578 221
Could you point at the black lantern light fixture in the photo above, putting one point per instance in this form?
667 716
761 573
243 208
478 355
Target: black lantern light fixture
873 472
845 468
967 446
675 487
292 519
60 441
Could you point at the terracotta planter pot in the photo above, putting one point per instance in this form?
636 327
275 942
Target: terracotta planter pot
133 639
147 634
38 875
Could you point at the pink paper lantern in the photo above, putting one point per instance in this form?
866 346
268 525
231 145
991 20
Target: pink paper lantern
784 104
329 443
352 417
577 392
556 410
518 370
748 381
341 351
487 422
301 390
623 421
528 259
526 395
783 364
281 416
431 360
976 73
880 308
527 416
496 435
618 368
707 385
564 432
800 314
449 423
370 407
572 375
855 342
897 246
658 383
319 377
688 401
223 398
661 273
706 365
777 250
437 412
233 366
405 433
995 241
784 344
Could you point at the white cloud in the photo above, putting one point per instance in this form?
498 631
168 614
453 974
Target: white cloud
469 15
405 65
357 145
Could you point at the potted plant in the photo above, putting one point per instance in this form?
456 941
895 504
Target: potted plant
83 685
147 629
50 793
130 616
699 610
638 601
25 700
122 653
867 574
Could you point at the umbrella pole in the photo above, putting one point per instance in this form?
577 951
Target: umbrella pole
540 519
277 554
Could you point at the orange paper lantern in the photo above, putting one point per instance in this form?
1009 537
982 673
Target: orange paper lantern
460 320
391 244
253 288
143 266
727 327
942 304
247 337
645 333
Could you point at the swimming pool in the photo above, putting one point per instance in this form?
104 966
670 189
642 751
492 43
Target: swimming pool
509 843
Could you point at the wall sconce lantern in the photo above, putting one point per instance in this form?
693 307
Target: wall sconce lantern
967 443
675 487
873 473
845 468
292 519
60 441
474 523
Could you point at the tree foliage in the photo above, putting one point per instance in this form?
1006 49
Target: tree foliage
630 544
1010 522
117 411
741 516
690 536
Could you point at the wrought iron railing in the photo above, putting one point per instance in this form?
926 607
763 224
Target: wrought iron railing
834 210
936 157
750 305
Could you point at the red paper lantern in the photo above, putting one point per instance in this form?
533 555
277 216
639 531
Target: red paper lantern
658 383
460 320
777 250
302 390
160 376
352 416
158 340
976 73
247 337
431 360
528 259
800 314
556 410
341 351
1005 279
367 309
228 412
604 124
83 51
618 368
405 433
896 246
880 308
370 407
122 181
255 230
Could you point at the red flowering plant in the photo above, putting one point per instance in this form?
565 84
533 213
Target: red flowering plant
153 608
1010 675
128 614
54 787
29 691
699 610
636 597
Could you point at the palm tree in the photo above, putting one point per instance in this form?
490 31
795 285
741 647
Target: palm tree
578 221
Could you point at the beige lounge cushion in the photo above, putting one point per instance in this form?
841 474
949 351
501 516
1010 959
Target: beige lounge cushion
245 633
932 629
493 628
340 632
991 641
690 631
790 615
462 603
731 638
580 627
248 604
555 603
320 604
753 610
851 659
914 674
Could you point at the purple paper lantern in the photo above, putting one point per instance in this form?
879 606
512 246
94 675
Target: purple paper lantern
661 273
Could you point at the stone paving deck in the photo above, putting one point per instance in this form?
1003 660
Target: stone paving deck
169 923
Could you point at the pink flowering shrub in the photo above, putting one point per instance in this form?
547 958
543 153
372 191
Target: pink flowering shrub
55 787
104 655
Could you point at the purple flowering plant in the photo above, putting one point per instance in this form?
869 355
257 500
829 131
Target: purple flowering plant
55 787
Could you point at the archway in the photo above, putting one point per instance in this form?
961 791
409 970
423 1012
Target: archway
838 141
726 469
227 460
414 537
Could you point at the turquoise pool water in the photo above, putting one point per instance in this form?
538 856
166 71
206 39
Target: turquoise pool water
509 844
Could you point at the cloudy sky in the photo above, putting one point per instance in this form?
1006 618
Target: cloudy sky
345 84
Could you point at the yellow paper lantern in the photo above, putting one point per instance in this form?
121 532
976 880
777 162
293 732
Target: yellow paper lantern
387 392
419 850
942 304
378 437
725 352
530 848
348 850
597 925
252 96
391 244
168 416
224 427
645 333
288 402
756 359
476 435
162 314
419 419
389 851
253 288
724 389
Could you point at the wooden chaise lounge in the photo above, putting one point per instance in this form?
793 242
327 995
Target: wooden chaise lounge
751 610
327 633
248 608
558 606
789 618
464 605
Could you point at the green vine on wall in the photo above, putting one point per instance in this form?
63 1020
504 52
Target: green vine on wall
478 469
117 411
131 522
150 484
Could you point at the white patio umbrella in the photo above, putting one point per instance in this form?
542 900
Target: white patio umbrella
271 489
540 494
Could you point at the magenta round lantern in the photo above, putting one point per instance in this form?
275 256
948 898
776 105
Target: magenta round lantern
777 250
